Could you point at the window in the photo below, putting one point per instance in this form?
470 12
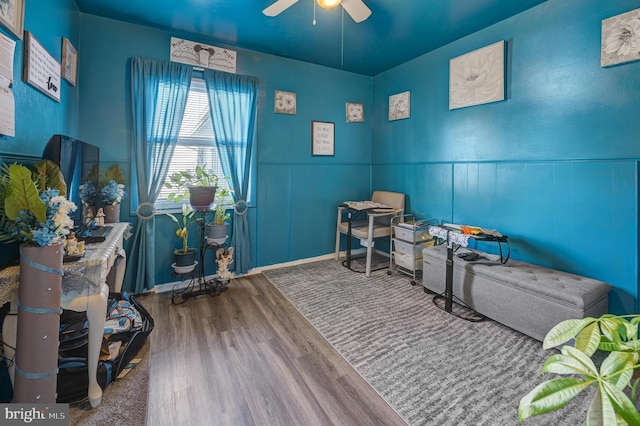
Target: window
196 141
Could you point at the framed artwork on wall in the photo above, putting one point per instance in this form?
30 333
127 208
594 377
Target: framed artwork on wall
477 77
355 112
620 39
69 61
41 70
12 16
285 102
322 138
400 106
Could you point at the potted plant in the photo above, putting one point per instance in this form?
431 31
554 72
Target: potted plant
112 192
34 210
218 227
199 185
613 375
184 257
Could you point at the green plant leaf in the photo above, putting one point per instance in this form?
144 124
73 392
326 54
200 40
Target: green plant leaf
22 195
613 328
567 364
550 396
601 411
47 175
588 339
565 331
622 404
582 358
616 362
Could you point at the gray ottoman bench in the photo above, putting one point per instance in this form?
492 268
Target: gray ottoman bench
528 298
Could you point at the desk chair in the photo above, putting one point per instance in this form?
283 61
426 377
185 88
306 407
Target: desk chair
378 224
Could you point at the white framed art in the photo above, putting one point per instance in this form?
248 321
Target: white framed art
285 102
355 112
477 77
620 39
12 16
69 61
399 106
322 138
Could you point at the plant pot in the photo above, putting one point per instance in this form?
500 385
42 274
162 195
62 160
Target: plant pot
201 197
111 213
217 232
38 323
185 259
184 269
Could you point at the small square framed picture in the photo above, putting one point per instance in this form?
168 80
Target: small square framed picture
355 112
285 102
69 61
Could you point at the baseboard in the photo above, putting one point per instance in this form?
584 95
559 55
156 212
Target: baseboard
177 285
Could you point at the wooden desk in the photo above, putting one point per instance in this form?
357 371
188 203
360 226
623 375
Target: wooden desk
84 288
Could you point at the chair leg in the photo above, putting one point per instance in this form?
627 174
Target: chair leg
369 246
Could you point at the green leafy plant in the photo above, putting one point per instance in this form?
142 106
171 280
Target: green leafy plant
615 399
179 182
33 206
182 232
113 172
223 197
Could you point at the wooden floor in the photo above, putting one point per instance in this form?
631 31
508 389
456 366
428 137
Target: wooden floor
248 357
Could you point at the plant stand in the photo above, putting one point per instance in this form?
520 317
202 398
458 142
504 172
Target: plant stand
198 284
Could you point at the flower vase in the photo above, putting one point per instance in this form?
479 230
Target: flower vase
112 213
36 362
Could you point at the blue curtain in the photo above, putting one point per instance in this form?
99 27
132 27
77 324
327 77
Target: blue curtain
234 103
159 93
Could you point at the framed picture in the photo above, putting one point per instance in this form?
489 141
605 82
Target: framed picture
285 102
620 39
355 112
69 61
322 138
41 70
12 16
477 77
400 106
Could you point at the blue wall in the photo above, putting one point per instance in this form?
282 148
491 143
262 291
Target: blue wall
554 166
38 117
293 216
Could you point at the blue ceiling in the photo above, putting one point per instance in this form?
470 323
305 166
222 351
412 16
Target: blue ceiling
396 31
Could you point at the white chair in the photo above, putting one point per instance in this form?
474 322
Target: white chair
377 224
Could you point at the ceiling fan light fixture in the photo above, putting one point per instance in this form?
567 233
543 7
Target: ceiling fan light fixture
328 4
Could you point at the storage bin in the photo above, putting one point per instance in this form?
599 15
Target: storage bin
411 250
406 232
407 261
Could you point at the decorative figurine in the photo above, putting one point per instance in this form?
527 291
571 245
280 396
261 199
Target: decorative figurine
224 258
72 246
88 216
100 217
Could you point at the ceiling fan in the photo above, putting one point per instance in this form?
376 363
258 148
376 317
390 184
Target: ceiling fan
355 8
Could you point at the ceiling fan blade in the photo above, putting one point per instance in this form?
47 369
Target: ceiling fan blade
278 7
357 9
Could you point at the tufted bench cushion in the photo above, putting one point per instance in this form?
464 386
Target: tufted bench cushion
528 298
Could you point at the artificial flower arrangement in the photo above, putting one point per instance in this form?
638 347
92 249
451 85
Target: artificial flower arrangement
112 193
88 193
88 190
33 204
112 186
